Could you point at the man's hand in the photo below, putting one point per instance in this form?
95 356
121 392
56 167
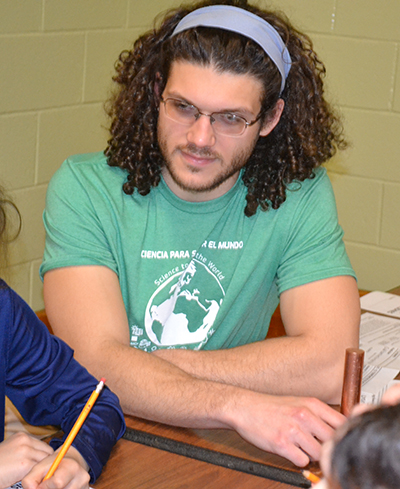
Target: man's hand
227 389
292 427
72 473
18 455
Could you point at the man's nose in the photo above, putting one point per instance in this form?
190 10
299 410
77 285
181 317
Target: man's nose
201 132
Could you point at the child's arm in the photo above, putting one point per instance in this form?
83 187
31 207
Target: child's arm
48 386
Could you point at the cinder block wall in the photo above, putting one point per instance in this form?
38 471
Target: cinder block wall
57 57
359 42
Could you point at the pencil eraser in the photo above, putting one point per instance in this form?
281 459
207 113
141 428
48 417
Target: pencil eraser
103 380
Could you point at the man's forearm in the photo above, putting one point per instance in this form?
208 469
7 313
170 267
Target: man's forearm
152 388
86 309
283 366
321 319
168 394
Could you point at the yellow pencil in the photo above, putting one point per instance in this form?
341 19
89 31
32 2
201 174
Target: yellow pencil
75 428
310 476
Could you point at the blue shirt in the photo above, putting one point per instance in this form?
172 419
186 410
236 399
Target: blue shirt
48 386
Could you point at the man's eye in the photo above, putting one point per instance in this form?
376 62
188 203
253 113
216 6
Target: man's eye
182 107
230 119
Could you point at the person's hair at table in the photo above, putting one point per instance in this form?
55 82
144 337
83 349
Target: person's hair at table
367 456
10 224
308 134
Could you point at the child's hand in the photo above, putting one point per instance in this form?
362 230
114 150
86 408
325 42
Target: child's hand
389 398
72 473
392 395
18 454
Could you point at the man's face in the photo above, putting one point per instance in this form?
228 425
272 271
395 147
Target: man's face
201 165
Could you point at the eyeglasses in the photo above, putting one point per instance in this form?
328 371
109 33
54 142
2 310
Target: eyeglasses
224 123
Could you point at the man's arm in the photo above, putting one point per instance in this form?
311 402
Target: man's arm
321 320
85 308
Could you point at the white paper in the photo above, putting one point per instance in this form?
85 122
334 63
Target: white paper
380 339
376 398
375 383
381 302
375 377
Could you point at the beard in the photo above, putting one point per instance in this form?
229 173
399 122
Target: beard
226 169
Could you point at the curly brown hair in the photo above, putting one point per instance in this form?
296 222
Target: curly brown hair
7 233
307 135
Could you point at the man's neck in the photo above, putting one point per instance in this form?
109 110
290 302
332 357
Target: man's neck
199 195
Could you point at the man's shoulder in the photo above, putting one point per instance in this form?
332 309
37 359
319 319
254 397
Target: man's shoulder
301 195
319 176
87 162
89 169
318 183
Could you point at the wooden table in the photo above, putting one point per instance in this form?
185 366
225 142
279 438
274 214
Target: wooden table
133 465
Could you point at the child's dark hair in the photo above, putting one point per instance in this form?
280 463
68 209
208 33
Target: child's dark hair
7 232
368 455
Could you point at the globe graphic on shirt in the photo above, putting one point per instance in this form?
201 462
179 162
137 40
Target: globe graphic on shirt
182 311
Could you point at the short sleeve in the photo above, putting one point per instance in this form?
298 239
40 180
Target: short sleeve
314 249
75 232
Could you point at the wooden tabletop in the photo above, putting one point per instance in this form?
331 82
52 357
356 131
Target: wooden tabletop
133 465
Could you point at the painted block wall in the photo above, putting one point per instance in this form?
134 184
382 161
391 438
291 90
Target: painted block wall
57 58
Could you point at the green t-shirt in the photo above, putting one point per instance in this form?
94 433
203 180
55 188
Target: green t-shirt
192 275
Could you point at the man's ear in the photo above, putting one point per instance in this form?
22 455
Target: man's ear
271 123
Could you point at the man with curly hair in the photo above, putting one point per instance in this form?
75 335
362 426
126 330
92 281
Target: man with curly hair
167 254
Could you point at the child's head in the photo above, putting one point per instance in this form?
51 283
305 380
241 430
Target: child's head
7 233
365 454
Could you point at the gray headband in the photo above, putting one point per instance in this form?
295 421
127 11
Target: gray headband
238 20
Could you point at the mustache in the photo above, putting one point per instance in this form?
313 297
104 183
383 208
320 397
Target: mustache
204 152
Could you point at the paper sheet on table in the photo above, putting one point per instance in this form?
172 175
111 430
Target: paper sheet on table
381 302
376 381
380 339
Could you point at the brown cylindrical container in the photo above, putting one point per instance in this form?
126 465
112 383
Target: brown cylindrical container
353 369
